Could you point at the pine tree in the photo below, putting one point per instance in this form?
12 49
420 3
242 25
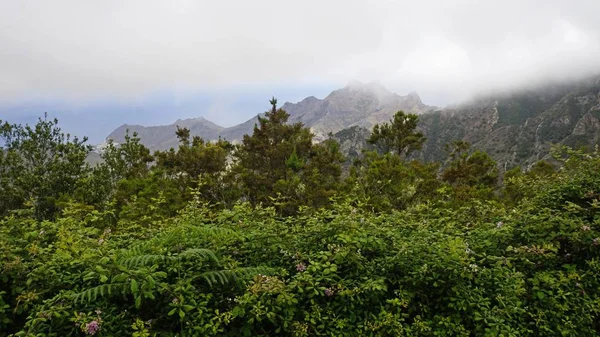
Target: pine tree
198 164
466 168
399 136
280 160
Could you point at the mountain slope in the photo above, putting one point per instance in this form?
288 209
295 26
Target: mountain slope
519 128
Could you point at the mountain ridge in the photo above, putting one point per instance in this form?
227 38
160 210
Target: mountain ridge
515 128
363 104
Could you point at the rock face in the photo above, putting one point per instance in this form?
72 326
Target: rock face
515 129
357 104
519 128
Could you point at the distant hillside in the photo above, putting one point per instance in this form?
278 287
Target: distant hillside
163 137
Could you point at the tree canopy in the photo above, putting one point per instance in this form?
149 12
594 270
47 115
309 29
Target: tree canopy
398 136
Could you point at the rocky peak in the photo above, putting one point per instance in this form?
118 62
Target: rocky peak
414 97
371 89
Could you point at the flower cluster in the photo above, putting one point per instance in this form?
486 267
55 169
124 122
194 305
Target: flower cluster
300 267
596 241
92 327
329 292
585 228
88 323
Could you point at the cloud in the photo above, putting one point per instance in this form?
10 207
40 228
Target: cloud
128 48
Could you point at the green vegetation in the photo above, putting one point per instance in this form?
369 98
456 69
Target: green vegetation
271 238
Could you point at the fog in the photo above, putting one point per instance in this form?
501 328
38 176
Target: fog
445 50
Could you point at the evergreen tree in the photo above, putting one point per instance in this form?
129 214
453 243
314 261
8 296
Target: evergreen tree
199 164
386 182
466 168
398 136
280 160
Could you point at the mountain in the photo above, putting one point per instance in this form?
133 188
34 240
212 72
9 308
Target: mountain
519 128
515 128
163 137
357 104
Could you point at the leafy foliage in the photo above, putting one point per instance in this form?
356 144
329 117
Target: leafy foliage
38 165
398 248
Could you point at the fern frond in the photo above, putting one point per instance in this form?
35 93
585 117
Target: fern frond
144 260
219 276
204 253
92 294
230 276
179 233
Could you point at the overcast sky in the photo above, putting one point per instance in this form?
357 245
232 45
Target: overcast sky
155 61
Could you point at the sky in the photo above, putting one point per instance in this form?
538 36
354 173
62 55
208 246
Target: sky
98 64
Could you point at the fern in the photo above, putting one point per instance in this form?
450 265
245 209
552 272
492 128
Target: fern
205 253
153 253
231 276
144 260
92 294
151 259
180 234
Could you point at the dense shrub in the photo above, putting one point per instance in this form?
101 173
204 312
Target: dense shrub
427 257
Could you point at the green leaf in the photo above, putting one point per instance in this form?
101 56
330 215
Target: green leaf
134 286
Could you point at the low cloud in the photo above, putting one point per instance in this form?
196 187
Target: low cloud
445 50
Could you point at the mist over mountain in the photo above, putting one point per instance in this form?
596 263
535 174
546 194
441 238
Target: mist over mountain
516 127
519 127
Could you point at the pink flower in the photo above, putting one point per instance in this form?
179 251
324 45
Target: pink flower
329 292
300 267
92 327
